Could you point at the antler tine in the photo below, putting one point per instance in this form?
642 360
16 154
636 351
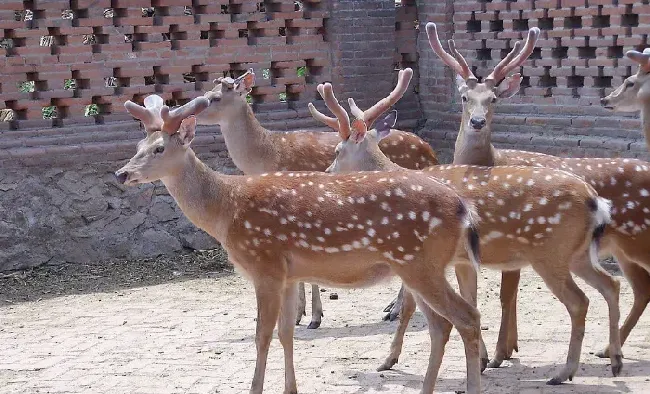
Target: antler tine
461 60
355 110
434 41
172 118
321 117
374 112
511 61
151 121
332 103
642 58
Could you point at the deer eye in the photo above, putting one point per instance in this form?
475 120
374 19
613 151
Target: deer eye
629 84
494 100
464 98
159 149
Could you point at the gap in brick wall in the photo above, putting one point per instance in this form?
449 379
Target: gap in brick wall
496 25
573 22
545 23
600 21
603 82
630 20
587 52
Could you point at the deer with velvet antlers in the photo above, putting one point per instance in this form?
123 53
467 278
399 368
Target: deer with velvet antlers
284 227
625 182
548 219
255 150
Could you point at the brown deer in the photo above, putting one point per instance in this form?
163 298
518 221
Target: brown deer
625 182
548 219
255 150
284 227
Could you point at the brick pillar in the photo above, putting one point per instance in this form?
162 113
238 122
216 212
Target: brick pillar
362 38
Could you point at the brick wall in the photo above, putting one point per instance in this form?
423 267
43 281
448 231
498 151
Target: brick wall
579 59
66 68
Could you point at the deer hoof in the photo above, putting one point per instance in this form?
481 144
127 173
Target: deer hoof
388 364
555 381
484 363
313 325
617 365
495 363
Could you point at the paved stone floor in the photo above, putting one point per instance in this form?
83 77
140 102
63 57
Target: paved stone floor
197 336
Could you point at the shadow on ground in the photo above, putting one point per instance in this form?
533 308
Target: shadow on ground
52 281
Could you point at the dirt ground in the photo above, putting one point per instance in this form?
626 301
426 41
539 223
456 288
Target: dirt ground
186 325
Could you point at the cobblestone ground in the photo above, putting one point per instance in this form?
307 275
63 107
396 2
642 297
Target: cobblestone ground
197 336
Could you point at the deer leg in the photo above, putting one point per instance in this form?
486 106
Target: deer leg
408 308
395 306
507 341
433 288
285 334
269 299
439 329
301 305
468 286
562 285
639 280
609 288
316 308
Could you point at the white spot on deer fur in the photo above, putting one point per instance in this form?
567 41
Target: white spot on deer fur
399 192
395 234
433 223
548 177
555 219
320 199
541 220
384 220
385 206
543 201
267 232
331 249
247 224
387 193
530 182
408 257
372 197
565 205
256 242
425 215
400 248
500 202
346 247
644 193
412 215
361 200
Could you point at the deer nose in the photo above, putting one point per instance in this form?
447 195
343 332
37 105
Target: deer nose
477 122
604 101
121 176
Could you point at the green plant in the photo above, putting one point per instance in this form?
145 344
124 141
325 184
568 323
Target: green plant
302 71
91 110
249 99
49 112
26 86
283 97
266 73
70 84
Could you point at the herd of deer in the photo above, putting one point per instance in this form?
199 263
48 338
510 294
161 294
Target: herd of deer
352 208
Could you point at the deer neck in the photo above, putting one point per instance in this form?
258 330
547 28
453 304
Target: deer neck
474 148
376 160
645 121
247 141
203 195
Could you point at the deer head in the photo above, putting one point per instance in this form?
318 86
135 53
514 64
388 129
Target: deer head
479 98
169 134
357 139
634 93
228 95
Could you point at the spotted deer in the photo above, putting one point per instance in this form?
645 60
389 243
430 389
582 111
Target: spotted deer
548 219
625 182
255 150
280 228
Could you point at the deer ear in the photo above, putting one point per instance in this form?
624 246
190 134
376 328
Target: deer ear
187 130
384 125
245 83
153 101
359 130
509 86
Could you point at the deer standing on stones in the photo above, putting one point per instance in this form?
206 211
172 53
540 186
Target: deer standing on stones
284 227
625 182
548 219
255 150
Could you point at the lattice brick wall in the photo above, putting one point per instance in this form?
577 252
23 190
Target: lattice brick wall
75 62
579 59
